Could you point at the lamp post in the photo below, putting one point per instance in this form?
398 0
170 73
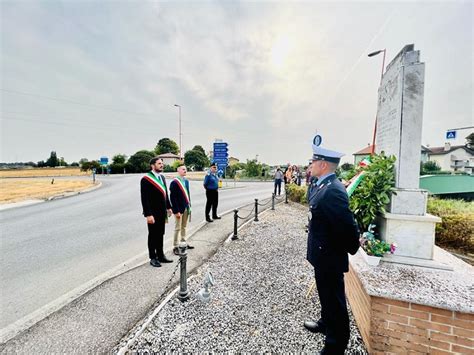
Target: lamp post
180 147
381 76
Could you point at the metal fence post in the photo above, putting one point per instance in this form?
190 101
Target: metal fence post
183 279
286 194
236 218
273 201
256 210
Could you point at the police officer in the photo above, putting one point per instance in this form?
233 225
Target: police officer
211 184
332 234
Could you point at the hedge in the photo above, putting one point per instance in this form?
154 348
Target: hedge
457 227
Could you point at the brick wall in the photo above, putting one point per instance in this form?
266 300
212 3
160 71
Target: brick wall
390 326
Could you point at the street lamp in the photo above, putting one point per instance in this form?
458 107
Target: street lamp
180 151
373 54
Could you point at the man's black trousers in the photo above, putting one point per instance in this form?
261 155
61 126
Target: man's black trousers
334 314
155 238
212 197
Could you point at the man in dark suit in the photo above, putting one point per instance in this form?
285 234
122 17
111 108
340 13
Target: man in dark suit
180 197
156 208
332 234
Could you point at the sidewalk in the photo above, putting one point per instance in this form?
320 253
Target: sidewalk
259 299
96 321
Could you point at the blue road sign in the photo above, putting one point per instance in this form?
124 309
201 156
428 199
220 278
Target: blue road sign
220 144
104 160
451 135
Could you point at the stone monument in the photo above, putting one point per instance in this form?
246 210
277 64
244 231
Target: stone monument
399 124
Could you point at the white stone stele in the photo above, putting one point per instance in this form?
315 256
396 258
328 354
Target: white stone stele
400 115
414 237
409 201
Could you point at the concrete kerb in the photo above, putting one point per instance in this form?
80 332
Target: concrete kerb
31 319
24 203
150 318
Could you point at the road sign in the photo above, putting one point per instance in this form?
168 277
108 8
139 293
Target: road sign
104 160
221 154
451 135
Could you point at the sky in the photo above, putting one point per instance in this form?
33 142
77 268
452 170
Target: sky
98 78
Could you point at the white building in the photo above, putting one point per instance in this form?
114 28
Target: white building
453 158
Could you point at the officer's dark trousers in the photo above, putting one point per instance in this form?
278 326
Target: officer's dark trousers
277 185
155 238
333 310
212 197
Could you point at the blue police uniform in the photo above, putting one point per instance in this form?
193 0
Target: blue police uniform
211 184
332 234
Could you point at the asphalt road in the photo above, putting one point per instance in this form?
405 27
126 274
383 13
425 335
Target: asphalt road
51 248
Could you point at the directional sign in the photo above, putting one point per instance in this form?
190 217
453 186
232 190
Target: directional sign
221 154
451 135
104 160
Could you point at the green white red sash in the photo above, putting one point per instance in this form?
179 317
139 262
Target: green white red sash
184 190
157 182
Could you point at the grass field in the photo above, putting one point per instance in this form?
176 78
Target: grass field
40 172
15 190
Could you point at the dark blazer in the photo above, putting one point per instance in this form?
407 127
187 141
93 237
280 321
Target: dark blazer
332 230
153 202
178 201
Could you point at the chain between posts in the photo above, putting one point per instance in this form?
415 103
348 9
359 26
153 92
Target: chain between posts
171 279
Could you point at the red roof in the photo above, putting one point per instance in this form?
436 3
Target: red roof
367 150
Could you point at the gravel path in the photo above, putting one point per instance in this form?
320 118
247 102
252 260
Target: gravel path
259 300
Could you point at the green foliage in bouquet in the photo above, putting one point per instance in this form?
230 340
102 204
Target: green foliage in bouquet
374 191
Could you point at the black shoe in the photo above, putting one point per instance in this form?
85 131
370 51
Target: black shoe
190 246
163 259
155 263
216 217
209 220
314 327
176 251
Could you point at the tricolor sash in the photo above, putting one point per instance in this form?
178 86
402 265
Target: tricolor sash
184 190
157 182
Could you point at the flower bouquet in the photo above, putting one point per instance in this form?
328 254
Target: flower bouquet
374 249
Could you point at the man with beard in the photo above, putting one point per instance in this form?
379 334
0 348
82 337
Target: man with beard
156 209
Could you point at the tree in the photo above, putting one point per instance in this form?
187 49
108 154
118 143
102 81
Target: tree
166 145
41 164
196 158
140 161
430 167
119 159
347 166
89 165
253 168
52 160
199 148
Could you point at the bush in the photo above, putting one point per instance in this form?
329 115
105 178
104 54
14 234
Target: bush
373 193
297 193
457 227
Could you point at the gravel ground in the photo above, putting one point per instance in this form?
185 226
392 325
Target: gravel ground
259 299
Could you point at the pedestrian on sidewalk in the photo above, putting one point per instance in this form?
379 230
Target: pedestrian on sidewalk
211 184
278 179
156 208
332 234
180 197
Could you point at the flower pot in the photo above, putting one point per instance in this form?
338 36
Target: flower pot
370 259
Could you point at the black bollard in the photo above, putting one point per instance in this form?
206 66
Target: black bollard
236 218
273 201
256 210
286 195
183 277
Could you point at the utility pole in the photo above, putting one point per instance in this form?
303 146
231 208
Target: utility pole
180 146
